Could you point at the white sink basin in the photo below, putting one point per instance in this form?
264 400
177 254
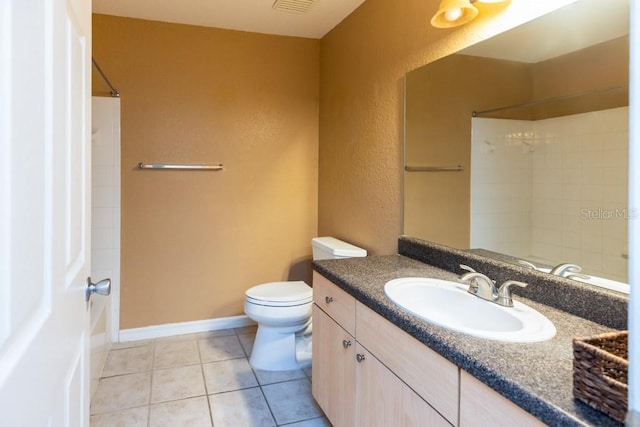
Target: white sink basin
449 305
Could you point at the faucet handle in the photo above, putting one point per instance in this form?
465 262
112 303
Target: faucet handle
480 285
468 278
575 276
472 275
504 292
573 268
565 269
527 264
467 268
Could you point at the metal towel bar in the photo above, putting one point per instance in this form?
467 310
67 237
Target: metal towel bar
433 168
180 167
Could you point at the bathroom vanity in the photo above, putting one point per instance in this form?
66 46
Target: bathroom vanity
375 364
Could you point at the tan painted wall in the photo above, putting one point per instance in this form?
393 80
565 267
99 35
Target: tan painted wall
192 242
363 62
600 66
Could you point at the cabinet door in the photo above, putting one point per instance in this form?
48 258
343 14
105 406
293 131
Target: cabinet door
333 369
433 377
480 405
384 400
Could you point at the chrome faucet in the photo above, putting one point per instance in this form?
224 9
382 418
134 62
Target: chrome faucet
479 284
569 271
485 288
527 264
504 292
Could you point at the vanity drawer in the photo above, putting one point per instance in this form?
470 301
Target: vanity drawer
335 302
430 375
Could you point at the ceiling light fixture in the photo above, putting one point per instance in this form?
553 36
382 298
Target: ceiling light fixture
453 13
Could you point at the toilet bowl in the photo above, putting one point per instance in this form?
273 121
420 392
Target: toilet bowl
282 311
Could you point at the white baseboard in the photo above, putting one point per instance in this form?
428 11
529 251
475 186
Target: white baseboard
170 329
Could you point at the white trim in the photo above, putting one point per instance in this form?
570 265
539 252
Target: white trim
170 329
634 224
114 317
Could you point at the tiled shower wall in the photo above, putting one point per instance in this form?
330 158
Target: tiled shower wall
501 185
105 226
553 190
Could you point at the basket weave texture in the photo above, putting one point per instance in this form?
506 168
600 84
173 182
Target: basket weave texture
600 368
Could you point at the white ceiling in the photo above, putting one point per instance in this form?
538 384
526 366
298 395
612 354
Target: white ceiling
245 15
576 26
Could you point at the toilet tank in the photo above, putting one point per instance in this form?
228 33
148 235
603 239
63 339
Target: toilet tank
332 248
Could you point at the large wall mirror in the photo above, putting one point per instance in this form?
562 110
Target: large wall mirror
518 146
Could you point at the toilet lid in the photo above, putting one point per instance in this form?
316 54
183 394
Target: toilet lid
292 293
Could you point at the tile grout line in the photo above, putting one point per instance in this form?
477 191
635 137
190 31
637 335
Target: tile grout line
204 380
153 363
267 402
264 396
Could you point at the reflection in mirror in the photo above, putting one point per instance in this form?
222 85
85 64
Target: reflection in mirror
525 138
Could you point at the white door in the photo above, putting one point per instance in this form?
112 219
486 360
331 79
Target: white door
45 53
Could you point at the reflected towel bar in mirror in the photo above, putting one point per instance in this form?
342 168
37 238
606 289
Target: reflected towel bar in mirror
180 167
433 168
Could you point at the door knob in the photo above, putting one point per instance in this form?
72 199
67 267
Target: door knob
103 287
346 343
360 358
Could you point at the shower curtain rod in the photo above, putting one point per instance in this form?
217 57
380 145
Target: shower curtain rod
114 91
542 101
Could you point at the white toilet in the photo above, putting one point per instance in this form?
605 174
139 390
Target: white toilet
283 313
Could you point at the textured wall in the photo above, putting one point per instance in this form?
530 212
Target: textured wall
192 242
363 62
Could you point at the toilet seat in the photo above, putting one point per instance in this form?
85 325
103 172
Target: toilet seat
280 294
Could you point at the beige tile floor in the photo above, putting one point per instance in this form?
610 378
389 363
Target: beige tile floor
200 380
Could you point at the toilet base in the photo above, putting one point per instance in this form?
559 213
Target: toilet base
276 350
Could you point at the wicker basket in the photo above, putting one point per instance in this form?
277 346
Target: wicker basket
600 367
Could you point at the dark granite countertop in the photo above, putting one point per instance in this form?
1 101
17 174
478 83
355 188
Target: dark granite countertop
535 376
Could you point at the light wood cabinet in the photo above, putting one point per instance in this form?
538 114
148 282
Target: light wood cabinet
333 355
383 400
368 372
335 302
481 406
432 377
350 384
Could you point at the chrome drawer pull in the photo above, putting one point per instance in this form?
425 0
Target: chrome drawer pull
328 300
360 358
346 344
